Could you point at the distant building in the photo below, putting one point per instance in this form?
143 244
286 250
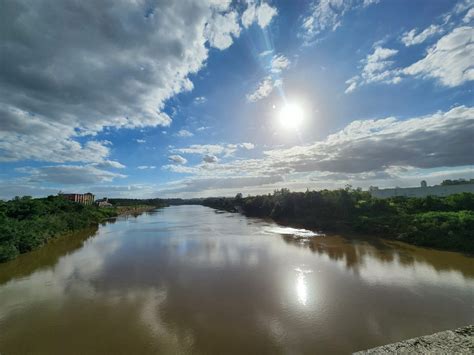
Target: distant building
422 191
104 202
85 199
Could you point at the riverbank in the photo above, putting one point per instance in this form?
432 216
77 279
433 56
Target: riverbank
445 223
458 341
133 210
27 224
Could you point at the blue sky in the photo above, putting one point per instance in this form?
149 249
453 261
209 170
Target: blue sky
145 99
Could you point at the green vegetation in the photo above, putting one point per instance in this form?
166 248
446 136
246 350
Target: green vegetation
438 222
155 202
27 224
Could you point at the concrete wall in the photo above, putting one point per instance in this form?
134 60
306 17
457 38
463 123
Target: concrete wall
437 190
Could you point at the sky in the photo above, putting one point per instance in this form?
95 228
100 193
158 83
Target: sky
196 98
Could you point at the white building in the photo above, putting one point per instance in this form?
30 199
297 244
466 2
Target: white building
422 191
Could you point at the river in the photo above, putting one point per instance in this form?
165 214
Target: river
186 279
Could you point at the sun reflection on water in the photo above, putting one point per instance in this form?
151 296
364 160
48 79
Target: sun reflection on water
302 286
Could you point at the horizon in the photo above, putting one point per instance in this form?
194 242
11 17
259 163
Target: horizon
207 98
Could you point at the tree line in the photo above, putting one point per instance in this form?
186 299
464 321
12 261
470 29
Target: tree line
28 223
438 222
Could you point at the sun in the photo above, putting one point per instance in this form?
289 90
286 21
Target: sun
291 116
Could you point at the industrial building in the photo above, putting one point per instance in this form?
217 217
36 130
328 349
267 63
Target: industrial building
422 191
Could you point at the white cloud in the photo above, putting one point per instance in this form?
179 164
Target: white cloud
107 164
411 38
69 174
213 149
177 159
208 158
117 69
376 69
469 16
141 141
145 167
184 133
450 60
248 146
364 151
326 15
262 14
264 88
265 53
200 100
279 62
221 29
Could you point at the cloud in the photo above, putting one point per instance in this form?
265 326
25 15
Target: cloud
364 151
326 15
213 149
411 38
141 141
184 133
146 167
107 164
177 159
449 61
264 88
208 158
376 69
220 30
279 62
200 100
437 140
69 174
248 146
261 14
69 69
469 16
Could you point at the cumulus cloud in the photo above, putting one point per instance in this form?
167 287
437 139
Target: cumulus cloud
220 30
213 149
438 140
326 15
365 150
414 37
264 88
71 68
146 167
177 159
69 174
141 141
278 63
449 61
184 133
261 14
208 158
376 69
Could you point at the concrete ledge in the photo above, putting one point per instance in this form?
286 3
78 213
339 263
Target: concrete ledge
458 341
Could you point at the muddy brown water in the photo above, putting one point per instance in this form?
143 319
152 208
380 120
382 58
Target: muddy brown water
185 279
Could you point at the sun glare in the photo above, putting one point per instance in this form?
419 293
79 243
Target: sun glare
291 116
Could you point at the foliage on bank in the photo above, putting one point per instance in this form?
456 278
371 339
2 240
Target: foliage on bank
27 223
155 202
438 222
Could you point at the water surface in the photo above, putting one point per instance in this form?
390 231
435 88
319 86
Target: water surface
186 279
